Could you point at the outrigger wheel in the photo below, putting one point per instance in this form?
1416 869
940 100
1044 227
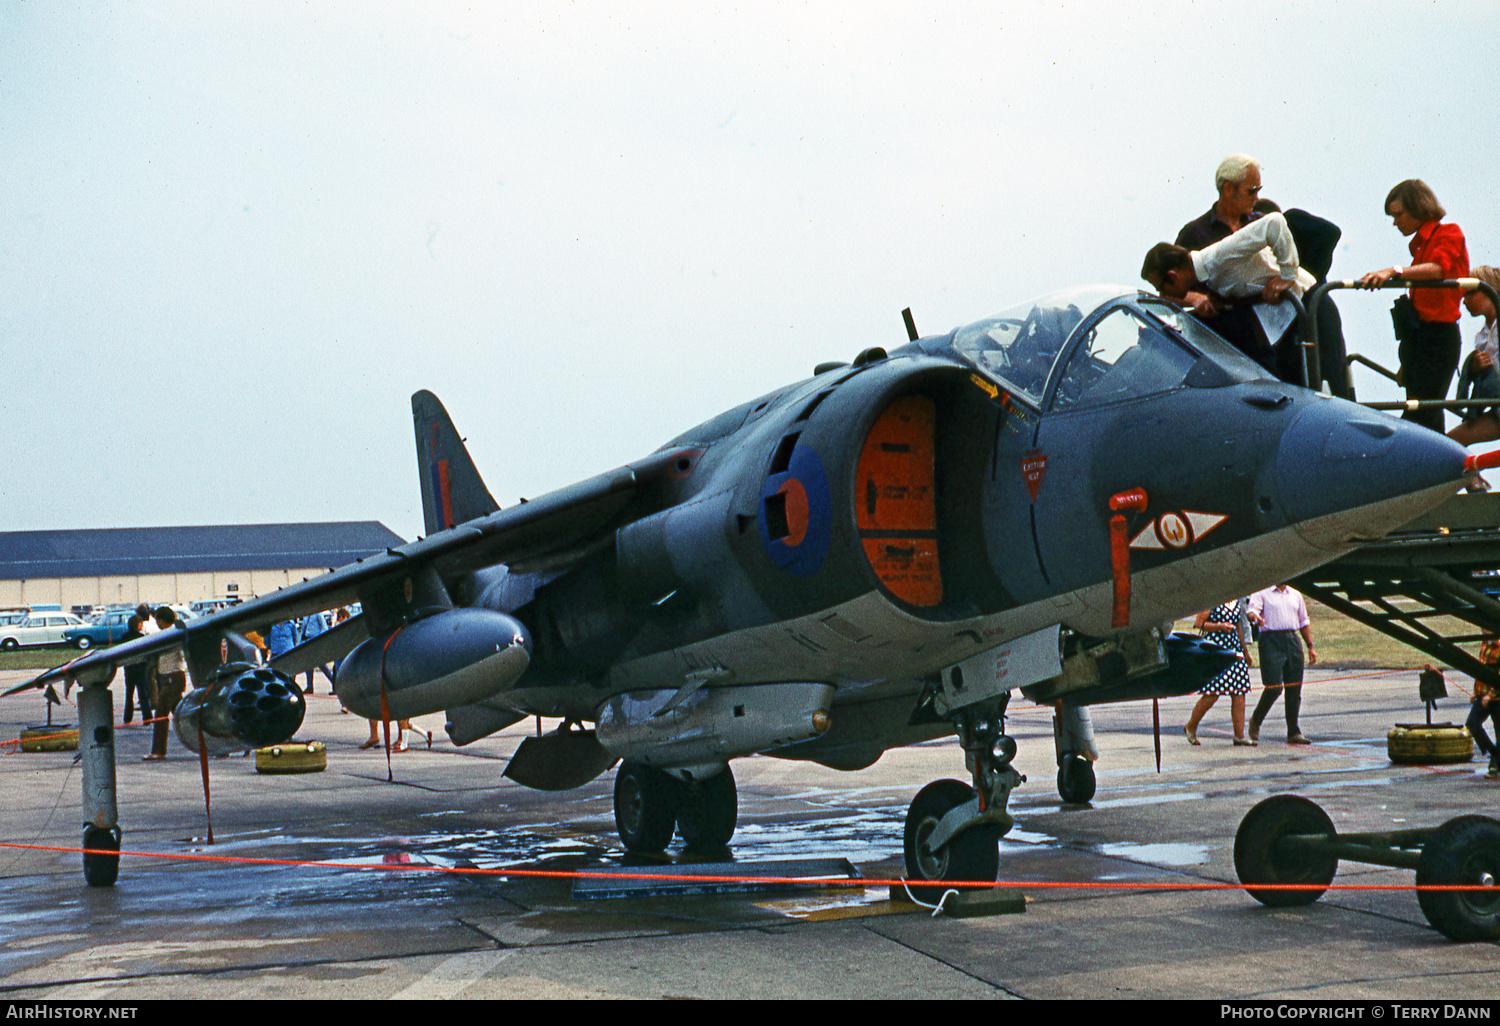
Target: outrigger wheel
1463 851
1075 780
101 870
972 855
1259 857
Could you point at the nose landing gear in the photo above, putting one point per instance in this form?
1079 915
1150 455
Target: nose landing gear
953 830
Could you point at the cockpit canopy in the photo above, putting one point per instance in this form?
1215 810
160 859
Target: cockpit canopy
1099 344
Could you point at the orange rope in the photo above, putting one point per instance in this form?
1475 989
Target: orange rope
73 730
560 874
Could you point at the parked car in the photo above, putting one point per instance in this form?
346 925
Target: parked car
39 629
106 630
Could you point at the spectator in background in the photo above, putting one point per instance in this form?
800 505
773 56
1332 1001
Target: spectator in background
256 637
1221 626
280 639
1480 376
1316 240
135 675
309 628
168 684
1281 615
401 727
1426 320
1486 706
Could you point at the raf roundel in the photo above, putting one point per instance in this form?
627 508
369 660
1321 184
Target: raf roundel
795 515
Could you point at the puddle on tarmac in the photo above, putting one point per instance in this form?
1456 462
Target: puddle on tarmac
1169 856
477 848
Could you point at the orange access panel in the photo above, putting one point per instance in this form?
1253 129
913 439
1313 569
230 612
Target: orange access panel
897 501
896 469
908 568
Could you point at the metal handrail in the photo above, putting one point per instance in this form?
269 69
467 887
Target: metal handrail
1377 368
1311 349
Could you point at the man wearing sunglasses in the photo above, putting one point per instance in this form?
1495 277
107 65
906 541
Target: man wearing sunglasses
1238 182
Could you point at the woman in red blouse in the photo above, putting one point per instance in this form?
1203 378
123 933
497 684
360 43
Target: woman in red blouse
1429 351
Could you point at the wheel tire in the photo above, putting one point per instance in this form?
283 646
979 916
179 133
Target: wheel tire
1257 860
101 870
1421 745
1075 780
708 811
646 802
972 855
1462 851
10 644
83 641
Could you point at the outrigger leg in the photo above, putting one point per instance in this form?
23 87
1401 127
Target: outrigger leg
96 743
1073 732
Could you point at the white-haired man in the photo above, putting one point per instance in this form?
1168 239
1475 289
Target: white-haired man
1238 183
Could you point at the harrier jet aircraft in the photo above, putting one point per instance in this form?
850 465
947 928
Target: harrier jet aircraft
877 555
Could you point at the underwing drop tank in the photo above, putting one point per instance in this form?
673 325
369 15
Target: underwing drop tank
444 661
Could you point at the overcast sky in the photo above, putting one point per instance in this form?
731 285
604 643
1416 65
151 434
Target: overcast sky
235 238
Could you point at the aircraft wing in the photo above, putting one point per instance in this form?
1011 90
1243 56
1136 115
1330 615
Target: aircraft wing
549 530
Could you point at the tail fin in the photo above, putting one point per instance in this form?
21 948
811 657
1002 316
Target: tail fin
452 490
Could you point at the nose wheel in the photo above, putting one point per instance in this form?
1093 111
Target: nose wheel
953 829
972 855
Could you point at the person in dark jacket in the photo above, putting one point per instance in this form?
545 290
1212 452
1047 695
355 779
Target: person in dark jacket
135 676
1317 238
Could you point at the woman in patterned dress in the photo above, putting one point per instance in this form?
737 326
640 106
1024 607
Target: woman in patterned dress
1220 625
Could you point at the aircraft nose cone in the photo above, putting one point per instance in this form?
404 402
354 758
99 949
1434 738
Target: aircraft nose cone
1345 474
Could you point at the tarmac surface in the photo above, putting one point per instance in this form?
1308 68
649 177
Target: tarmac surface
376 927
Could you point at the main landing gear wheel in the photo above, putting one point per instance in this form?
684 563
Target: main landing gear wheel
98 869
1258 859
646 802
1462 852
972 855
707 811
1075 780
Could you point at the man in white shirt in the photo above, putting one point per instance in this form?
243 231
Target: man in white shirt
167 684
1258 261
1281 615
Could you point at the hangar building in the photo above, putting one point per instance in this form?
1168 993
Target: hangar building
175 564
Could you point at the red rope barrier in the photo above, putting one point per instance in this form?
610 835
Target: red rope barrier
73 730
584 874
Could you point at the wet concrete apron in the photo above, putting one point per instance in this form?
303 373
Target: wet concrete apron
208 929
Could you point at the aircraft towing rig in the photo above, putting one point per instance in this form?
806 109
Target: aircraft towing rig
881 554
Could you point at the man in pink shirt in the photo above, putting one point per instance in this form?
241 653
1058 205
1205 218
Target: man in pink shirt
1281 615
